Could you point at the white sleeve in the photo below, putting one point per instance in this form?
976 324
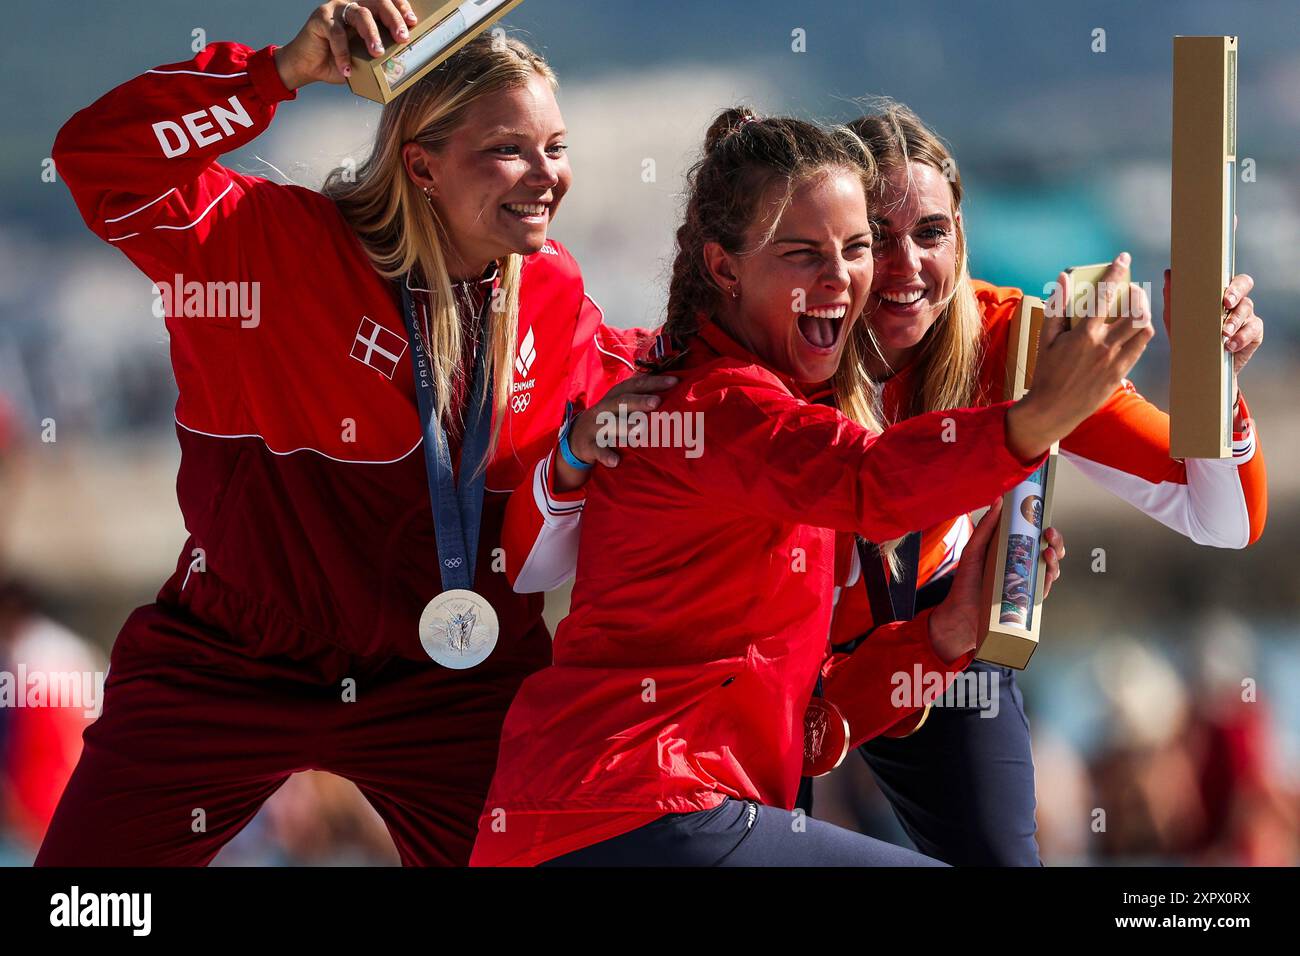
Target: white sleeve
553 558
1210 508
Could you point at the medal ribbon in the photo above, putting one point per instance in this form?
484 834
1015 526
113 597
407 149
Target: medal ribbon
895 599
891 600
457 509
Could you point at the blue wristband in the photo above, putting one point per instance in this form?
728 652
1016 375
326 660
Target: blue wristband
566 452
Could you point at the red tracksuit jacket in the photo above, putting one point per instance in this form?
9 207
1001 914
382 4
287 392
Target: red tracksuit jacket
703 599
302 476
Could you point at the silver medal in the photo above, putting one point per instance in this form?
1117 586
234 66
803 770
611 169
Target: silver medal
458 629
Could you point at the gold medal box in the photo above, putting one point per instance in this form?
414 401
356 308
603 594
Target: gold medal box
1202 247
442 29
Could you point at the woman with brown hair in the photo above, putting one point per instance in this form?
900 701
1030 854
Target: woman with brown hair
669 728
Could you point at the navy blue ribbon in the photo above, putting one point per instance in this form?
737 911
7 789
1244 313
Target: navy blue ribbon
895 599
457 509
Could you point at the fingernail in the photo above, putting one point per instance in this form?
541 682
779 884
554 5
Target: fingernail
1229 328
671 379
377 47
412 17
654 401
401 34
347 71
1124 258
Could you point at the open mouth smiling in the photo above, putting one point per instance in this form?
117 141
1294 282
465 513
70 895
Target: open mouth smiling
821 327
532 212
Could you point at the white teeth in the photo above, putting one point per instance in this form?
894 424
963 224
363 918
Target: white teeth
834 312
526 209
902 298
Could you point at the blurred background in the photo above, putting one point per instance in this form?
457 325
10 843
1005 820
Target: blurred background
1135 699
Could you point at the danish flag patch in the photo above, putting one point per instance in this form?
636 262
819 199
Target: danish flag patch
378 347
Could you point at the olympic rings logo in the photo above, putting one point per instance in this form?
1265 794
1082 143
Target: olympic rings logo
453 562
520 402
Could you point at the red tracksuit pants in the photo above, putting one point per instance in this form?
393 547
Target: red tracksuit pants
196 720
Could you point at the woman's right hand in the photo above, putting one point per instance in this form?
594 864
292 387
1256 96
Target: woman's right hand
1078 369
319 53
592 440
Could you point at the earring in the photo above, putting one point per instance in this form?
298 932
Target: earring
735 291
428 195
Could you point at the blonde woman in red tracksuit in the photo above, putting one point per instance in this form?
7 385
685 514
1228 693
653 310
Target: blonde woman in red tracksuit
290 636
670 727
963 784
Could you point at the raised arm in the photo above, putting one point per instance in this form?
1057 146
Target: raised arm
141 161
1124 447
767 452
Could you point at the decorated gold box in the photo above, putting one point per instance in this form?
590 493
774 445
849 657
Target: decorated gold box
1202 244
444 27
1014 574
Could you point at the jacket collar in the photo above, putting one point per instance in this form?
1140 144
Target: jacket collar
490 274
721 342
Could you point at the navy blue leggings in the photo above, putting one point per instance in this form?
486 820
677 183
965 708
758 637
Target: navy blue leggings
963 785
741 833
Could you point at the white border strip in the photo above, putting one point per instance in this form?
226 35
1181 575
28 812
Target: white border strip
191 225
141 209
345 461
595 339
214 76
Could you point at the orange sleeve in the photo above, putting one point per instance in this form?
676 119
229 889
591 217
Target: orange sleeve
1124 446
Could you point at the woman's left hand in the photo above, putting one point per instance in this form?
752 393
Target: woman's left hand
1243 330
1052 555
957 624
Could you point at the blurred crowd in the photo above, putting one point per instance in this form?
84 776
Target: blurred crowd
1185 766
1190 768
315 818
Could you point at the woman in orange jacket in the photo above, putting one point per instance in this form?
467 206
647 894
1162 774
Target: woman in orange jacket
963 785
